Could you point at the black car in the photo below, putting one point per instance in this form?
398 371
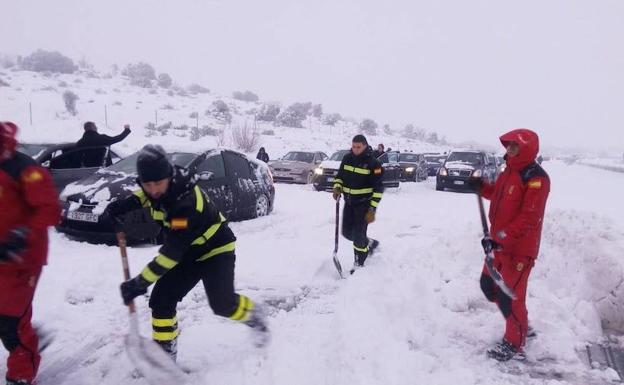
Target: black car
434 162
240 187
326 172
413 167
67 163
463 164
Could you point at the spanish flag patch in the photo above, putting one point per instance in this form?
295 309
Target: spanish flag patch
179 223
377 171
33 176
535 184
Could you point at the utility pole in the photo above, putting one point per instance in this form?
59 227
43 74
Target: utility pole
105 116
30 111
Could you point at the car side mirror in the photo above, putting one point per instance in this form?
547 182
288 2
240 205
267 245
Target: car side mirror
46 164
205 175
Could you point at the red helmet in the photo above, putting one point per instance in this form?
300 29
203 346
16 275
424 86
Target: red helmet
8 140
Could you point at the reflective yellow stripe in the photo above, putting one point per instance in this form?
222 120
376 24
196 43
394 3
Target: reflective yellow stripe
199 204
165 261
165 336
163 323
209 233
158 215
149 275
363 250
219 250
245 306
374 203
358 191
142 198
338 181
357 170
377 195
338 186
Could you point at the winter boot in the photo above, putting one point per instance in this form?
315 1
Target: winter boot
504 351
170 347
372 245
257 321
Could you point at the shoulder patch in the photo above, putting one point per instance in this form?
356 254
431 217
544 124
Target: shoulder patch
179 223
378 171
536 184
32 176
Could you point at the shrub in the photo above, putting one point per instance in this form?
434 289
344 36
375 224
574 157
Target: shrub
140 74
268 132
268 112
117 103
368 126
152 129
294 115
51 61
387 130
4 84
197 133
70 98
167 107
193 115
7 61
245 138
100 91
182 127
170 93
62 84
197 89
331 119
246 96
317 110
220 111
164 81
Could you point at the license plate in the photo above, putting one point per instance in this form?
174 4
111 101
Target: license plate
330 178
460 182
83 217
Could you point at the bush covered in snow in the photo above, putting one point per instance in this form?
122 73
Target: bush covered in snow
268 132
411 132
3 83
294 115
368 126
164 81
70 98
197 89
220 111
317 111
245 138
48 61
7 61
331 119
197 133
268 112
153 129
246 96
140 74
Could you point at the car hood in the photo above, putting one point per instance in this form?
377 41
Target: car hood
330 164
408 164
460 165
99 190
292 164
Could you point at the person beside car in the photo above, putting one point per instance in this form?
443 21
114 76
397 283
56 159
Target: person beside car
94 157
262 155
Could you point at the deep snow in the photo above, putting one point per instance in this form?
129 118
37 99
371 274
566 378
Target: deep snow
414 314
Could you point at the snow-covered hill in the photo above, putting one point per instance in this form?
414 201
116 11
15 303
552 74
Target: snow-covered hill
113 101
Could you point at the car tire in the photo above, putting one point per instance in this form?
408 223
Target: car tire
262 206
310 178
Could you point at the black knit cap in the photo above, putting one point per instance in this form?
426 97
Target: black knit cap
360 139
153 164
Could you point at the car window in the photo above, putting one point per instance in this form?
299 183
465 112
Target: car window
408 157
384 158
32 150
214 164
236 165
393 156
323 156
473 158
307 157
338 155
80 158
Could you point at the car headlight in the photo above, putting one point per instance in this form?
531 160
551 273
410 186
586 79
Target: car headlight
476 173
318 171
409 169
443 171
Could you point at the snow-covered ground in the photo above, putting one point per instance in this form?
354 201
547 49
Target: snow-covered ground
612 164
414 314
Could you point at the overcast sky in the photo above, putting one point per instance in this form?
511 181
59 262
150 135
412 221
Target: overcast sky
467 69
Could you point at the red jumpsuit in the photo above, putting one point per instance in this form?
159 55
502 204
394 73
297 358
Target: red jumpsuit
29 200
518 199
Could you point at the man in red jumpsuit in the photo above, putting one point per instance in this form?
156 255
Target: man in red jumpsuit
518 199
28 206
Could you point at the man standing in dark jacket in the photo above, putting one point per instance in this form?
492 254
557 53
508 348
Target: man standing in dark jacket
28 206
198 246
91 138
359 179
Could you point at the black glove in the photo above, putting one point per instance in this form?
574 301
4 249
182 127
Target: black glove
133 288
14 245
111 211
489 245
476 183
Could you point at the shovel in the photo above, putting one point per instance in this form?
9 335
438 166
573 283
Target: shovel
151 361
336 236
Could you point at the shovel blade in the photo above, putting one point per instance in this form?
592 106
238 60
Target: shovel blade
152 362
337 264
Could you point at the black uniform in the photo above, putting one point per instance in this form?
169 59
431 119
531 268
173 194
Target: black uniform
360 180
198 245
93 139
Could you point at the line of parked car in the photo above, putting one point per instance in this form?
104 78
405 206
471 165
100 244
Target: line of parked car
242 188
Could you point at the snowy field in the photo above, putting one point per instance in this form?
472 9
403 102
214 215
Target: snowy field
413 315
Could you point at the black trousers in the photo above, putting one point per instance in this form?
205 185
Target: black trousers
217 275
354 228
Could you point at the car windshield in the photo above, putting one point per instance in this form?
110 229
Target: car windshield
408 157
32 150
434 159
466 157
128 165
306 157
338 155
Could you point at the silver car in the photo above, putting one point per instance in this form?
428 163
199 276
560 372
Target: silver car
296 166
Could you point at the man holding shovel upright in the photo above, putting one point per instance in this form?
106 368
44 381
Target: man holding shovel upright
518 199
199 246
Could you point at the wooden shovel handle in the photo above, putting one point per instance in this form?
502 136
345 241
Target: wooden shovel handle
121 241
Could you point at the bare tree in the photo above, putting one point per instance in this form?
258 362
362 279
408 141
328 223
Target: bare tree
70 98
245 138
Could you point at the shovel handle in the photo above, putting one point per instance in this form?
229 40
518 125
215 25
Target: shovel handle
121 241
